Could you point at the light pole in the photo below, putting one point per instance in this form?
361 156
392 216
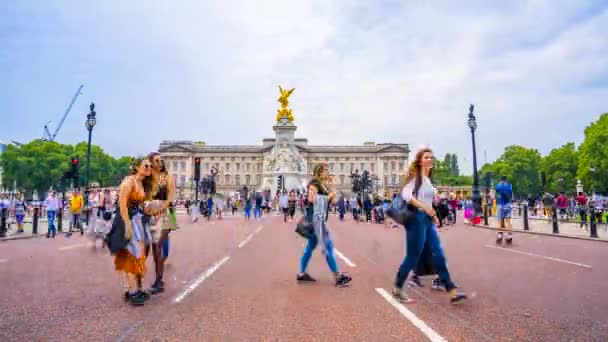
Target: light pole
476 195
592 170
90 123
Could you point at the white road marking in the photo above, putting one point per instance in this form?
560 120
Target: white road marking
259 229
3 261
539 256
244 242
78 245
417 322
201 279
346 260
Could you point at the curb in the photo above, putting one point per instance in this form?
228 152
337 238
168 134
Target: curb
20 237
539 233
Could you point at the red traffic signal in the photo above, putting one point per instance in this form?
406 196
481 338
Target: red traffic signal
197 160
75 161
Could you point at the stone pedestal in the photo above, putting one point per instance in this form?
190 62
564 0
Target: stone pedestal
284 159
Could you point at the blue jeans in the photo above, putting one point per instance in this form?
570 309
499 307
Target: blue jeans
258 212
51 216
329 257
422 231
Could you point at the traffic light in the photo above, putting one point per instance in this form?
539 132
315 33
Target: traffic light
74 167
197 168
280 182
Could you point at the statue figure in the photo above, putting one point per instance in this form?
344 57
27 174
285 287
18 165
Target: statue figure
284 112
471 108
92 107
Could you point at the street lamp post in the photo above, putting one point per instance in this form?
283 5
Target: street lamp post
592 171
476 195
90 123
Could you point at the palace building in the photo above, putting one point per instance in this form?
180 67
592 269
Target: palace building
259 166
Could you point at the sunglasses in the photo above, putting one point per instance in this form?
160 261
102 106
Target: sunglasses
146 166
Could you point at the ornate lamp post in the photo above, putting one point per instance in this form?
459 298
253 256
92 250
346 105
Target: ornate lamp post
476 195
90 123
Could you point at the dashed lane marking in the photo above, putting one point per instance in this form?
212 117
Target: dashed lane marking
346 260
417 322
198 281
3 261
259 229
539 256
78 245
247 239
124 336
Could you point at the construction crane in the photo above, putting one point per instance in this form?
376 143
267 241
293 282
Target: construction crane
47 134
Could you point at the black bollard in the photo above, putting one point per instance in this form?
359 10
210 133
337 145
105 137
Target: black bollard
592 223
3 216
35 221
525 217
485 215
554 220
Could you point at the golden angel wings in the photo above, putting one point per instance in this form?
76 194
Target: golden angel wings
284 98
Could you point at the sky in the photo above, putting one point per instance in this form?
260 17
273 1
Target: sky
383 71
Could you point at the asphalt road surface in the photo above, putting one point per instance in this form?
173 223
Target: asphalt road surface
234 280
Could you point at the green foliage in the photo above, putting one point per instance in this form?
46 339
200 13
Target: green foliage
520 165
455 170
39 165
561 163
594 152
446 172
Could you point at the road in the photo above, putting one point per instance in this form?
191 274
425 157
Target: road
233 280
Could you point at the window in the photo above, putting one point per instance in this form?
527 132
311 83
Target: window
237 180
259 167
258 179
394 179
174 167
385 166
392 166
331 167
182 181
362 166
217 166
222 158
182 166
248 167
341 179
372 167
247 179
400 165
341 166
352 167
238 167
227 167
212 158
206 167
227 179
385 180
232 159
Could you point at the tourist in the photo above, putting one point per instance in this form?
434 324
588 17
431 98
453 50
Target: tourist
419 192
165 219
135 192
321 192
504 194
292 204
52 206
76 207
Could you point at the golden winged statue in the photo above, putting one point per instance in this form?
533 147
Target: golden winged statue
284 112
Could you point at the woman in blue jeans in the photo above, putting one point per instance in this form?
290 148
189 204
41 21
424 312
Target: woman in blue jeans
319 197
419 192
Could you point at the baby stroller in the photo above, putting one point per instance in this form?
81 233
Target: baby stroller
379 214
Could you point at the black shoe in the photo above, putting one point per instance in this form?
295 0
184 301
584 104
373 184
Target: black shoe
127 296
415 281
305 278
343 280
157 287
143 294
437 285
136 299
499 238
457 297
48 235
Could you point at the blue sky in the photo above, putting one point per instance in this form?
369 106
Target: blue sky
385 71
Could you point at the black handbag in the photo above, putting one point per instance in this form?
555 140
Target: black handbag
402 215
115 239
107 215
425 264
305 229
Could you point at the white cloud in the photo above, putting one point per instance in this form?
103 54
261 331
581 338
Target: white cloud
378 70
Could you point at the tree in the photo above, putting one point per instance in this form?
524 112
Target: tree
521 166
455 171
593 152
561 164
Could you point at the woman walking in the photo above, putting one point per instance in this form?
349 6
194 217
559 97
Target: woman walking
135 191
421 231
320 194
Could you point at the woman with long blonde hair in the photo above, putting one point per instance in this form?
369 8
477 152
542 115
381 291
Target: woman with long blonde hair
321 193
421 230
